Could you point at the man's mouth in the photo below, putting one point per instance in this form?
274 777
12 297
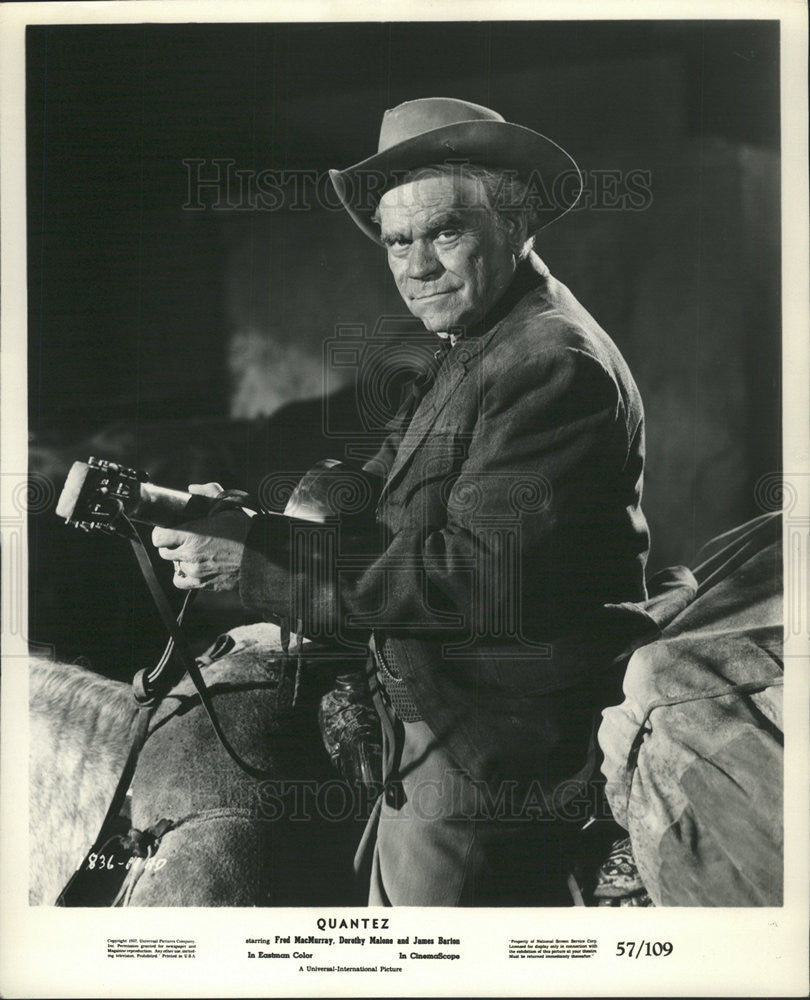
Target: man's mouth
432 295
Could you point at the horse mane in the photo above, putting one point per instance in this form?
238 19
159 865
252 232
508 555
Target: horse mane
81 698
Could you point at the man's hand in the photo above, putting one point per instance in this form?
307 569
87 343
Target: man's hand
207 554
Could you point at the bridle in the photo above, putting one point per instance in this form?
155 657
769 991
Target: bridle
96 496
149 687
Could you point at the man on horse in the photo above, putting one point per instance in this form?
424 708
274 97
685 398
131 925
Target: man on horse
508 539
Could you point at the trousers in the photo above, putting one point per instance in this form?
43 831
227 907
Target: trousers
441 839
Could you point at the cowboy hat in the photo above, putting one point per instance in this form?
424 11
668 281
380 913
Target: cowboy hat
438 130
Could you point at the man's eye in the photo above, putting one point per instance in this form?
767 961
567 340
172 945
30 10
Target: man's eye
447 236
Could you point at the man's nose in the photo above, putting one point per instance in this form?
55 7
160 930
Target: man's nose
422 260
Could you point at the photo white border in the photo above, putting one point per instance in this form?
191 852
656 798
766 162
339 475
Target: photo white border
725 952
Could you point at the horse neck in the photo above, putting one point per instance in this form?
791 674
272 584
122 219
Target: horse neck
80 704
81 727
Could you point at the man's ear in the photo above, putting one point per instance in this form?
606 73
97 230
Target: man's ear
517 231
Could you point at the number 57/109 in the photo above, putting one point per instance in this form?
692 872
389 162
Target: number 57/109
649 949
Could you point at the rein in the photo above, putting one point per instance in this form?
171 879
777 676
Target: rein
149 687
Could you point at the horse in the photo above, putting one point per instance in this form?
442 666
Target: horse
285 838
710 674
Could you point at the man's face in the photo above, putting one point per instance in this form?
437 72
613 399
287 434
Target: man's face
449 256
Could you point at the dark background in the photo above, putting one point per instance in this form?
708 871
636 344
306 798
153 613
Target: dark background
164 321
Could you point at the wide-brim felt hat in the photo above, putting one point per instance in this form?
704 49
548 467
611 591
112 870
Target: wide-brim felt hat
443 130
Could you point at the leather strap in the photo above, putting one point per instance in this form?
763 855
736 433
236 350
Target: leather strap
148 688
113 810
184 653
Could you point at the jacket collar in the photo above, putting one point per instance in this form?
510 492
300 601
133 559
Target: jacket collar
527 277
458 358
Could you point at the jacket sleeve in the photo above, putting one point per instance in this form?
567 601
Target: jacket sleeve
543 440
